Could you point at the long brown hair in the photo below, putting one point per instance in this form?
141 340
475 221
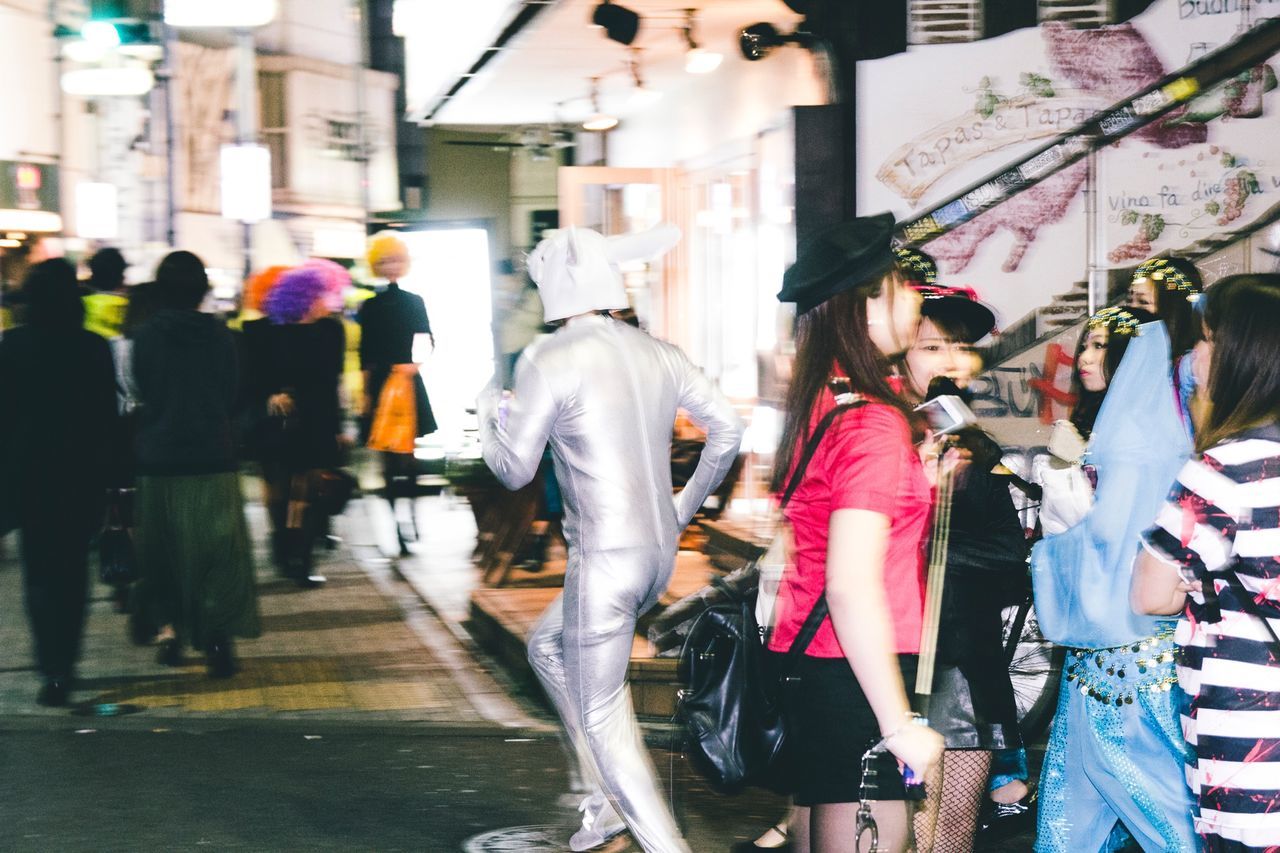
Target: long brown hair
1179 314
833 335
1243 317
1089 403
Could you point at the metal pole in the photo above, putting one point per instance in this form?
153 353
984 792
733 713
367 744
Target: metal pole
246 119
1091 227
360 11
170 41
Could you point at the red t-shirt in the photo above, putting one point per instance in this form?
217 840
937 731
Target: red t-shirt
865 461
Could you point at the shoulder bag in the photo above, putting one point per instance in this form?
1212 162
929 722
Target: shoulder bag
730 708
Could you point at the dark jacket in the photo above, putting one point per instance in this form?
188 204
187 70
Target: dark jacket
303 360
57 419
986 571
388 323
184 368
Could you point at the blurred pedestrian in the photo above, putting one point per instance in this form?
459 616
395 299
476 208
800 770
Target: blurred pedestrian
390 323
106 301
859 515
605 395
1171 288
1115 755
1215 550
56 435
293 385
973 703
193 545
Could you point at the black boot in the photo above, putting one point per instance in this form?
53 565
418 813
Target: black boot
54 693
169 652
280 550
301 563
221 657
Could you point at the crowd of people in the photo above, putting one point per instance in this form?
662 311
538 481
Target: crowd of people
131 403
1164 728
1154 560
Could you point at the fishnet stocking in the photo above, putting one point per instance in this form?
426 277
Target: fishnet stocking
948 818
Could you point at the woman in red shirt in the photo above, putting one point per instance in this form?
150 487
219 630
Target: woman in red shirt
859 518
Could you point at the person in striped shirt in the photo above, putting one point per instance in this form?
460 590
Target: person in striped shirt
1216 542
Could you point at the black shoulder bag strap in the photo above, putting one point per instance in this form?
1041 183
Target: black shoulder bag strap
814 620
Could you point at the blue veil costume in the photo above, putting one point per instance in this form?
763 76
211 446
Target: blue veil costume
1116 750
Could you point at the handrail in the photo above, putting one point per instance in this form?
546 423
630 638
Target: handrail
1102 129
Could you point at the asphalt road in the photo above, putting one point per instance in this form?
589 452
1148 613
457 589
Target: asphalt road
131 784
105 785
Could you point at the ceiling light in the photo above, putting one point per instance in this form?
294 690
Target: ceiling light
641 95
598 120
697 60
700 61
620 23
758 40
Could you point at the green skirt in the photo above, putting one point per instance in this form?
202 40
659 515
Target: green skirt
195 558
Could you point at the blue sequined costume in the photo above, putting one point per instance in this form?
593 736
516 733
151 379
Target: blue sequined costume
1116 751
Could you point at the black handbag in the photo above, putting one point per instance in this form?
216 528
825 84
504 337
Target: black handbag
731 707
333 489
117 564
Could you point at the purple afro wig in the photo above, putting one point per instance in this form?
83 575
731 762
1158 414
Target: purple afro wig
336 279
294 295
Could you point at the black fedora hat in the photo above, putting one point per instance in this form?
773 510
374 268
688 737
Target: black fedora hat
838 258
976 319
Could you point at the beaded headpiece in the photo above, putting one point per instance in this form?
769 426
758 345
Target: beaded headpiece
1122 321
1164 272
916 265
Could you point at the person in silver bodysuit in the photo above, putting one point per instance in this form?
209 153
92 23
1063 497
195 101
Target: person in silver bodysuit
605 395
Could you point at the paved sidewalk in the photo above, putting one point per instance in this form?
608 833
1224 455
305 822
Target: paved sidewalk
361 645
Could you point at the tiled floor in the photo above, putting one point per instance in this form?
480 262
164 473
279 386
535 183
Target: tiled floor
359 645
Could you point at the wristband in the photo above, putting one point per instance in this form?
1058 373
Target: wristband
913 719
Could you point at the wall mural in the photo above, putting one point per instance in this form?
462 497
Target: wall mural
1208 166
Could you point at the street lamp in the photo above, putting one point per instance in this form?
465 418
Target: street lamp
246 182
124 80
224 14
246 166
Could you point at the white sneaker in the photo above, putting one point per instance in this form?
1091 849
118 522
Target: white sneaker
599 823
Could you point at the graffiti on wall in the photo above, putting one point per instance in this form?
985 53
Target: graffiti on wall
1207 166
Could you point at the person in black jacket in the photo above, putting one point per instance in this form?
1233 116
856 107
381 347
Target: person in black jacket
973 702
389 323
194 554
56 432
294 359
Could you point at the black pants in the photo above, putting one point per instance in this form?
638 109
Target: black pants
55 575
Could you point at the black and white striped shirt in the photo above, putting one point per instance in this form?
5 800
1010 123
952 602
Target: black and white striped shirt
1224 516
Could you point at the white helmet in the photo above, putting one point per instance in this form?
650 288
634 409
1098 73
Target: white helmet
576 269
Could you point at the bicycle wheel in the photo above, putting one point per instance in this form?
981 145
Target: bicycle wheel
1034 668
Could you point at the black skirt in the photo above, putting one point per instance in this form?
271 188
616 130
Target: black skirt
829 726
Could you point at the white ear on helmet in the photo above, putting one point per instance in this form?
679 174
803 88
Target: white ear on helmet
535 262
643 245
574 248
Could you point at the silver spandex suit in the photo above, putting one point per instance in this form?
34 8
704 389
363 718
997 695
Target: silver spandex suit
605 395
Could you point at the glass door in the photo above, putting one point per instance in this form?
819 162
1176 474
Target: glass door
624 201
